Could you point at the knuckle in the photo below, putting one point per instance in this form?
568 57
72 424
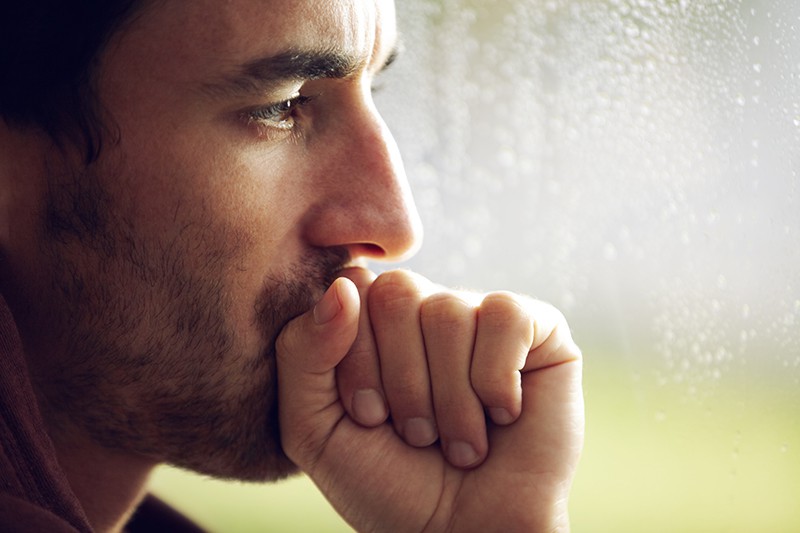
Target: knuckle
393 292
572 351
503 311
558 322
558 316
445 310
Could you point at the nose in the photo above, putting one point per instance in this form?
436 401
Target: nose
362 198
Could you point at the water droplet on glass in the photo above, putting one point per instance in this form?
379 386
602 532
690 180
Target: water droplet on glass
632 30
609 252
506 157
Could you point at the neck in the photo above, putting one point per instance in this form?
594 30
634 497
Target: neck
108 483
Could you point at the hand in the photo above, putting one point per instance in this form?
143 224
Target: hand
438 362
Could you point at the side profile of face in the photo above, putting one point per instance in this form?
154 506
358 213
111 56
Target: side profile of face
251 165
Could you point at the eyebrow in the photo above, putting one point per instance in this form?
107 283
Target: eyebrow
263 74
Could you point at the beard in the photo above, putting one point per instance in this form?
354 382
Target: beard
146 358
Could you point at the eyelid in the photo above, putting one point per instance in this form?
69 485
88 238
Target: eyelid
275 112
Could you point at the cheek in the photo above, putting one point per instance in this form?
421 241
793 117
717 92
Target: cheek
203 185
206 181
265 190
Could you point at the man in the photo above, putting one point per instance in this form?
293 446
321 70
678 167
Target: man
189 199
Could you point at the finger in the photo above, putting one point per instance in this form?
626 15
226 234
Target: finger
308 350
502 343
359 374
448 326
394 301
552 340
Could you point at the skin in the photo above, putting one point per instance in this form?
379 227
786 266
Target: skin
177 298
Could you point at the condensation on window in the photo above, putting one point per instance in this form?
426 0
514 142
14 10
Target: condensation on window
635 163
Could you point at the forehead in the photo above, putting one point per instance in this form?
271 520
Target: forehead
187 39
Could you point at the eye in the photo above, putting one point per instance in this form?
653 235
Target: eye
280 115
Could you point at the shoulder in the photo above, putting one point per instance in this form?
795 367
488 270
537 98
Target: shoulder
21 516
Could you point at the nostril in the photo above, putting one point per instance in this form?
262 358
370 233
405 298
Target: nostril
367 250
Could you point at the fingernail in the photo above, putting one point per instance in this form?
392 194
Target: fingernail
419 432
369 407
327 308
462 454
500 416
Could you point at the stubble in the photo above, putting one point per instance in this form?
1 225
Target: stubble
150 363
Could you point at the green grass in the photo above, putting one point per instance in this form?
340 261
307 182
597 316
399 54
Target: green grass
658 458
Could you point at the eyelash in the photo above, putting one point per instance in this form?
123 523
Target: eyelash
279 115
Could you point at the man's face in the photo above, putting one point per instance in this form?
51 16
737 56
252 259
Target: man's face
251 166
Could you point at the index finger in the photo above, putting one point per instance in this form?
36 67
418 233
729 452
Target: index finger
358 375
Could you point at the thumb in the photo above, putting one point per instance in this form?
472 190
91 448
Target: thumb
308 350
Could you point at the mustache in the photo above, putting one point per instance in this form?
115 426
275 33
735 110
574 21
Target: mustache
325 265
287 295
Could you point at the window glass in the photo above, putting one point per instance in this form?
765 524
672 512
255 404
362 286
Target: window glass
634 162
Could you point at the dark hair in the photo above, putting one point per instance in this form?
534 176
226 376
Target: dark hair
48 56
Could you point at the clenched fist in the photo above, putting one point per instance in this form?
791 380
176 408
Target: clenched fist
416 408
